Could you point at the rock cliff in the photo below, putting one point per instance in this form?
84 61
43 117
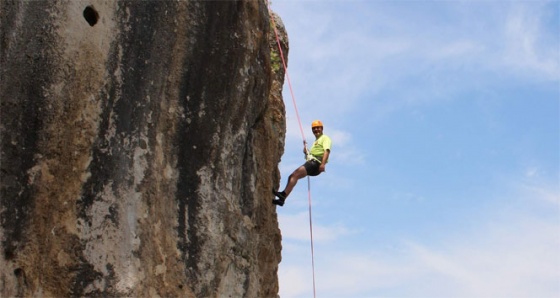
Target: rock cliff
140 141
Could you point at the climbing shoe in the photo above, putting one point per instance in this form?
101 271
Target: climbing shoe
279 202
281 198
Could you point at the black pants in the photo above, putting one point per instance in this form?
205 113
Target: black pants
312 167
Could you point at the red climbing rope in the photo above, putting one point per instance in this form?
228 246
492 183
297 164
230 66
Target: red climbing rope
287 74
311 231
302 136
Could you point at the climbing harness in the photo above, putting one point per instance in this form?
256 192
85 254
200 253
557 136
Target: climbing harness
303 137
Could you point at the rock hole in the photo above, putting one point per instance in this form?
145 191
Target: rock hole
18 272
9 254
91 15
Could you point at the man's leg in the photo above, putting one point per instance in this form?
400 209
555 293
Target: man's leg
293 179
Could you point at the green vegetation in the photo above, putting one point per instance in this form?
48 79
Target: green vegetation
275 62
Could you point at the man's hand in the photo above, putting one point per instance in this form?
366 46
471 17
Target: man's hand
322 168
305 151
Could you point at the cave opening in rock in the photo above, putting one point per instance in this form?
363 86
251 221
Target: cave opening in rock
91 15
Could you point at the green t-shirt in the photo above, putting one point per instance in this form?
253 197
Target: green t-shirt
319 146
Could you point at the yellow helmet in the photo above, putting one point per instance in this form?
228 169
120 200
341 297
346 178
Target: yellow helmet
316 123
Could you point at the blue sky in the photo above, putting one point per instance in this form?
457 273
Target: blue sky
444 178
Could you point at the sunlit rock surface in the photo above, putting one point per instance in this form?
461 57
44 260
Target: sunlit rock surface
140 142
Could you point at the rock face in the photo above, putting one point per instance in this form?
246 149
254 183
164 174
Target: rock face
140 141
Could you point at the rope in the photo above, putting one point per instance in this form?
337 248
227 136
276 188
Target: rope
287 74
302 136
311 232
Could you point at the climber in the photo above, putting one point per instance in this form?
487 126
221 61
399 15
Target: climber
316 160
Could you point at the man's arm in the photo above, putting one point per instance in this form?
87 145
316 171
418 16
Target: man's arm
324 161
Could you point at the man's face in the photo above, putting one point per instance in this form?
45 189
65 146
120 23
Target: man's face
317 130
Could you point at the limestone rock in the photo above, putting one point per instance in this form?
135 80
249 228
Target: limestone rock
140 141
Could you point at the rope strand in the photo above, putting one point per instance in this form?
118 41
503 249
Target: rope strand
311 232
287 74
304 141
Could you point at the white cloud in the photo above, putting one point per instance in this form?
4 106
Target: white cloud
293 131
296 227
342 137
345 150
459 49
515 258
340 65
521 260
382 59
545 194
528 46
294 280
513 252
534 188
